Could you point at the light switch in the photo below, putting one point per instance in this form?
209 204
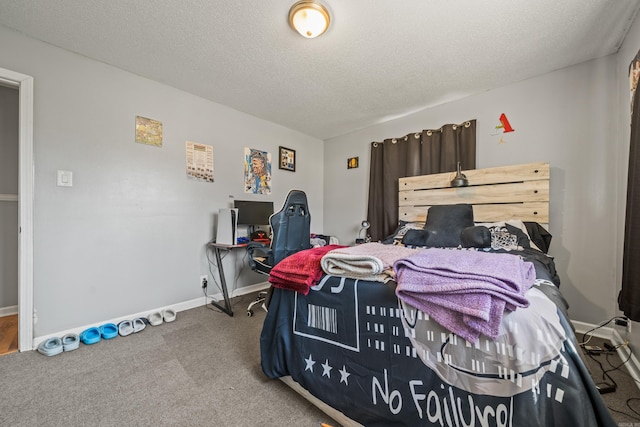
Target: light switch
65 179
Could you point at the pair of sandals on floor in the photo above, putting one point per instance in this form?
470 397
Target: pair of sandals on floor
56 345
96 333
127 327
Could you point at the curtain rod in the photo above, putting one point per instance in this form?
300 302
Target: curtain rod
429 132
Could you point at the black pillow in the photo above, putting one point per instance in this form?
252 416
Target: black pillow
445 224
417 238
403 226
539 235
476 237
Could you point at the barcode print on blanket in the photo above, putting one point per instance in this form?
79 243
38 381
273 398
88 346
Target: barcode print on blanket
324 318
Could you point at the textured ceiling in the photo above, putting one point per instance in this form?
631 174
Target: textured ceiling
380 59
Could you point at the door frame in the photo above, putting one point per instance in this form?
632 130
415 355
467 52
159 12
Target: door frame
24 84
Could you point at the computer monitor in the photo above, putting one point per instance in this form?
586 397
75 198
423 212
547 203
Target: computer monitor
252 213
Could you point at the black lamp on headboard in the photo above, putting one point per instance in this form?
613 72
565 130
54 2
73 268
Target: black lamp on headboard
460 179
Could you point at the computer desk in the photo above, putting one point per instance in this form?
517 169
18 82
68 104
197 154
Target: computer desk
217 247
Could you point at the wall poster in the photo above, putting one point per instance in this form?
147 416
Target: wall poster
148 131
199 161
257 171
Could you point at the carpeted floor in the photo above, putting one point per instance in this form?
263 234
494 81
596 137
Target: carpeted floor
201 370
607 367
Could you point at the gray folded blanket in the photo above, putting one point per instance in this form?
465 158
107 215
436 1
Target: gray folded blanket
369 261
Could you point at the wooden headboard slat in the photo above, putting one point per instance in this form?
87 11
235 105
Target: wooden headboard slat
497 194
528 191
535 211
497 175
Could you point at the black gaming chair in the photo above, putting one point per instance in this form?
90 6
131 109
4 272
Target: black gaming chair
290 233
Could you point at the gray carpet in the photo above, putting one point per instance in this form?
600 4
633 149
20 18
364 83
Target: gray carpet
624 403
201 370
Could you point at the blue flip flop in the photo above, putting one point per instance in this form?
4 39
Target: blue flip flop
108 331
70 342
90 336
51 347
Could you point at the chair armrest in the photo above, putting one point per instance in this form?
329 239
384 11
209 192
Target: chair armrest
257 250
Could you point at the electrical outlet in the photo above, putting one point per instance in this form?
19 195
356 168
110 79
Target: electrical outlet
204 281
621 322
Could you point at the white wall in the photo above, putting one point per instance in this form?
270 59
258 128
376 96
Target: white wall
568 118
130 234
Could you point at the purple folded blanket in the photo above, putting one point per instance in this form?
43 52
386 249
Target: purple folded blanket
465 291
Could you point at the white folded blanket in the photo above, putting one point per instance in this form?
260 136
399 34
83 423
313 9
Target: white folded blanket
369 261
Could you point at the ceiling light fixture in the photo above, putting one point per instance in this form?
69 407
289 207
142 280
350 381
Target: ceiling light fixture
309 18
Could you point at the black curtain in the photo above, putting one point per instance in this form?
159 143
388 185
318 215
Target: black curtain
426 152
629 296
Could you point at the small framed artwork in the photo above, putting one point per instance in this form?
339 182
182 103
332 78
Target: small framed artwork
352 162
287 159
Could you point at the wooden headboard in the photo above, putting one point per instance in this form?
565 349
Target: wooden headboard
497 194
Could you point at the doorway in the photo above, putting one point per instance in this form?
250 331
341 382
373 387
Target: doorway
8 219
24 84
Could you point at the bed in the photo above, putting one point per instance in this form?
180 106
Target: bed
355 344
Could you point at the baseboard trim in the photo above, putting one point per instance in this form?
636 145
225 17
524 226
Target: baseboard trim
600 332
8 311
181 306
633 365
625 352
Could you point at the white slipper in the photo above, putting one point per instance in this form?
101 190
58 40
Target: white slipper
169 315
125 328
155 318
70 342
138 324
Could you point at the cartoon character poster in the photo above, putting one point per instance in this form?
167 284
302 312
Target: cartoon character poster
257 171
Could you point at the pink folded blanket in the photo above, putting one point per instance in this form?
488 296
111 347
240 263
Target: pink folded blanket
300 271
465 291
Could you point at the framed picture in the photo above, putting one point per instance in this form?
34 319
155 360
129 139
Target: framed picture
287 159
352 162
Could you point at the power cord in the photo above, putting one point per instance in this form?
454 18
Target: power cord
604 386
608 384
585 339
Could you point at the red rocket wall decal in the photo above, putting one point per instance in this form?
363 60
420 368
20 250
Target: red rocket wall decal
503 125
